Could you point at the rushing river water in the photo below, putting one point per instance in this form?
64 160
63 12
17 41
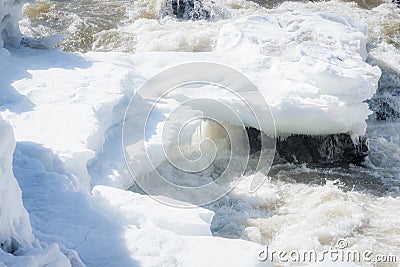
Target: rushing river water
297 207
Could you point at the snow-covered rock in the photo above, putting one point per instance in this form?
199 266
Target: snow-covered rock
15 228
310 67
10 14
18 247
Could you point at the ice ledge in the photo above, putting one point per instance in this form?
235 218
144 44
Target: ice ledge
310 67
315 82
10 14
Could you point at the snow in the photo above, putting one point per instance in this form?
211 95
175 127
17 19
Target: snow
58 110
55 145
67 110
133 209
10 13
128 229
317 60
171 236
18 247
15 228
386 56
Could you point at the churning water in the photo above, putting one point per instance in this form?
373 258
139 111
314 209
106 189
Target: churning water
297 207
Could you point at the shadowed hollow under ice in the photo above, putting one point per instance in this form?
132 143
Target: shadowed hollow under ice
66 110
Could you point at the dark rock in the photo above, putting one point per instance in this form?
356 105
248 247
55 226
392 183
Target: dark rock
254 139
328 150
187 9
319 151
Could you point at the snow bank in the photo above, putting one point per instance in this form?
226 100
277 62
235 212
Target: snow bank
10 13
35 257
18 247
15 228
142 211
76 102
158 235
72 101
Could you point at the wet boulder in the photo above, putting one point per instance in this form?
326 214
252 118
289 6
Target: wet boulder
187 9
318 151
326 150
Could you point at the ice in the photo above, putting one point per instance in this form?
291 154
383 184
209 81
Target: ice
316 60
50 256
161 234
386 56
18 246
67 110
55 145
15 228
10 13
321 74
135 209
45 43
58 110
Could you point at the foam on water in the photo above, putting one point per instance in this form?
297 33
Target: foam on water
300 208
128 26
131 26
300 216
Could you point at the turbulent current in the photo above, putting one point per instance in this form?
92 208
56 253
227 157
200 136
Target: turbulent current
298 207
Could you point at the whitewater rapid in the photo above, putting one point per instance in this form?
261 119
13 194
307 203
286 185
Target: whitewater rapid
298 207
